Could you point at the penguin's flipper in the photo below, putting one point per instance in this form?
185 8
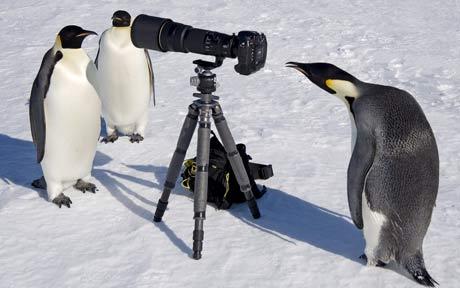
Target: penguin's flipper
37 98
360 163
97 57
96 60
151 74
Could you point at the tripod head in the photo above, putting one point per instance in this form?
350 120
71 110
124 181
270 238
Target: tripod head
205 81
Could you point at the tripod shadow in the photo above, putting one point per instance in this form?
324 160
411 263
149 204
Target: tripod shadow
111 182
288 218
284 215
160 175
179 243
124 194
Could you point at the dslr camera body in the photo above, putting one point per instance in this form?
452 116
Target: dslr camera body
251 52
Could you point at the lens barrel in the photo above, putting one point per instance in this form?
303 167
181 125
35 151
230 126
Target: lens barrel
210 43
145 32
172 37
165 35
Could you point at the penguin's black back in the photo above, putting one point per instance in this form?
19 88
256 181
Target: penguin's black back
403 180
37 98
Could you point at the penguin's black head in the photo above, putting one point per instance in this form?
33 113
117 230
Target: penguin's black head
121 19
72 36
328 77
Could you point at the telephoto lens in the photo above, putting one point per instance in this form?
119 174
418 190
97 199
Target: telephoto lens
165 35
162 34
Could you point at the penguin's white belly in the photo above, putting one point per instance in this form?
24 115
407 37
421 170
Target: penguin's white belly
124 83
372 227
72 113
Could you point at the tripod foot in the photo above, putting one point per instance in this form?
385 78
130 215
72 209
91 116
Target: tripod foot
252 204
161 208
198 235
197 255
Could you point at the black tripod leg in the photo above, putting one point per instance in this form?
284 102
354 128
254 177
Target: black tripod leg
235 160
201 180
186 134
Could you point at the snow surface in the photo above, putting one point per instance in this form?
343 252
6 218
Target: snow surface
305 237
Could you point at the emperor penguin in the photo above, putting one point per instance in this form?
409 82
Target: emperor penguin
393 174
65 116
126 81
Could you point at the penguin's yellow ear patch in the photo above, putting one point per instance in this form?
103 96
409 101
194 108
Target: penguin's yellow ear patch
342 87
58 42
330 84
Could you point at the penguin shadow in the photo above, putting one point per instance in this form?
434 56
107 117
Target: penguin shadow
284 215
19 164
103 129
19 167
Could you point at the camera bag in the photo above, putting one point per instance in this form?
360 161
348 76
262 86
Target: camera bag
223 188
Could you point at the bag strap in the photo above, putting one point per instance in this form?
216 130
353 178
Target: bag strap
261 171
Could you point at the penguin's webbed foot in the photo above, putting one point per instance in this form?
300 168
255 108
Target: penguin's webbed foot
377 263
110 139
136 138
39 183
85 186
61 199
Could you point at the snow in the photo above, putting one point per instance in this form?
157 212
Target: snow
305 237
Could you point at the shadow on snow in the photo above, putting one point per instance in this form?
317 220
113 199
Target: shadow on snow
18 163
286 216
283 215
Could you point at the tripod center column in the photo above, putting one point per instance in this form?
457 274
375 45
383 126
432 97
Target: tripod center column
202 161
201 177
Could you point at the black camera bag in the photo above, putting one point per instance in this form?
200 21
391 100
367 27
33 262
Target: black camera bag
223 189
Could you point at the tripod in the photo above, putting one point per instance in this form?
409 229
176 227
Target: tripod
201 111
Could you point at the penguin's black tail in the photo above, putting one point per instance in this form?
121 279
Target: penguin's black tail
416 267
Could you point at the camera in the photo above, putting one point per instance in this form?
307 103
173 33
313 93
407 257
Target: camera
162 34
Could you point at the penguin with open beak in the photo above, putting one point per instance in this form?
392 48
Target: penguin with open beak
393 174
